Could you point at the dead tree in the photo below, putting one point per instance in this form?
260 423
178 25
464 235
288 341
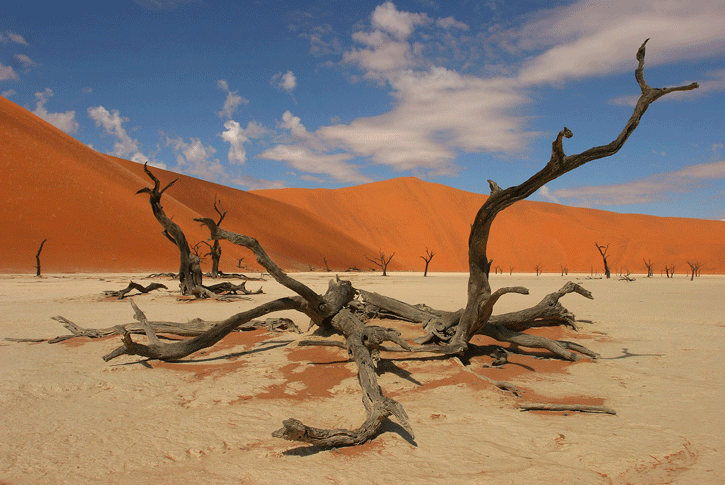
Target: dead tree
539 269
327 266
603 251
649 265
511 270
428 256
670 270
215 250
382 261
448 333
694 269
37 258
190 276
564 269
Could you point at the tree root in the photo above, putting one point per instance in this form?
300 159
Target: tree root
120 294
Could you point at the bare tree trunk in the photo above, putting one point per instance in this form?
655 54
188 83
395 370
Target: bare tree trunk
190 276
37 258
382 261
427 258
603 251
649 265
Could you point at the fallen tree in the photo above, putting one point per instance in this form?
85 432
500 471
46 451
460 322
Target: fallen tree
447 333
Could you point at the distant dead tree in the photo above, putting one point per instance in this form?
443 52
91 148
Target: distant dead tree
327 267
539 269
564 269
428 256
382 261
694 269
670 270
649 265
498 270
511 270
603 252
37 258
215 250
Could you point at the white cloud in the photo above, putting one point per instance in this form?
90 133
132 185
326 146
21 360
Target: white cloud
546 194
593 38
232 101
12 37
8 93
252 183
195 158
112 123
7 73
63 121
237 136
323 40
451 23
399 24
302 158
286 81
26 61
654 188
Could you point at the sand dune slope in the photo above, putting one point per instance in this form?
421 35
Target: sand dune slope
83 202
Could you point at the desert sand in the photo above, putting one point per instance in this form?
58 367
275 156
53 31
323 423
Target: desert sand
69 417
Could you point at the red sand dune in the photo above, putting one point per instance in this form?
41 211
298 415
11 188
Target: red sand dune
83 202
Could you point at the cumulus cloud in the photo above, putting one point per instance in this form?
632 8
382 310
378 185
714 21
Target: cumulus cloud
7 73
388 18
232 101
654 188
112 123
546 194
286 81
195 158
63 121
8 93
237 136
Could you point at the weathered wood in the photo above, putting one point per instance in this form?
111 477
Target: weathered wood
581 408
603 251
37 258
120 294
359 341
479 289
190 277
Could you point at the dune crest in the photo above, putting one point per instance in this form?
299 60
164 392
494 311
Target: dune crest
83 202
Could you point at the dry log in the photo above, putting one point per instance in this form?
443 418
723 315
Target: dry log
120 294
581 408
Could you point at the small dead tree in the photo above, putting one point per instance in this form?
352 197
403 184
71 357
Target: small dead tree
564 269
215 250
670 270
428 256
649 265
37 258
511 270
327 266
603 251
694 269
539 269
382 261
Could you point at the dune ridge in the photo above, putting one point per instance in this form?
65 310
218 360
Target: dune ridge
83 202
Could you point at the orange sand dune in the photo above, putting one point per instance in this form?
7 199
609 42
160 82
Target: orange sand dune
83 202
407 215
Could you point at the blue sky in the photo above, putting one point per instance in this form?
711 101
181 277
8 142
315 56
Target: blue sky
332 94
